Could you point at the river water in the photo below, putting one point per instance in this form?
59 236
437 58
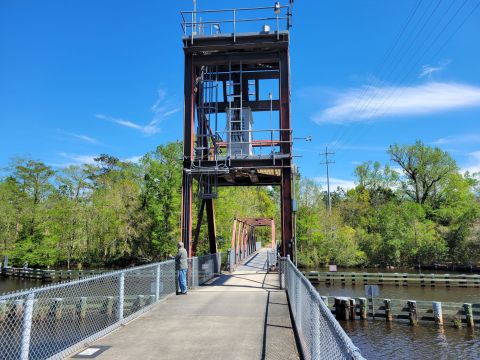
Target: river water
12 284
381 340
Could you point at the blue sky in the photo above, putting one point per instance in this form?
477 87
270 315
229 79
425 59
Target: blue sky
80 78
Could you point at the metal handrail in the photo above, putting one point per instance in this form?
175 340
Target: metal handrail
193 24
324 337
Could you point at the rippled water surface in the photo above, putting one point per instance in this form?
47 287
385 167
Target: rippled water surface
381 340
427 293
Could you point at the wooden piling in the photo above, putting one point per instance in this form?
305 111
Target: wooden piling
108 305
342 306
138 303
412 312
437 312
363 308
469 315
55 310
3 310
388 309
16 309
81 308
353 308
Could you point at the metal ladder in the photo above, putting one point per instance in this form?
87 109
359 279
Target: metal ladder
235 130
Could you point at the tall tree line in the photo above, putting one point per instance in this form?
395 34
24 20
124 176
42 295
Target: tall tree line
115 213
421 211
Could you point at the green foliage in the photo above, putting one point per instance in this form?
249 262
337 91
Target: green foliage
117 213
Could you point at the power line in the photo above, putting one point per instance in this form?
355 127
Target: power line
379 68
427 49
394 91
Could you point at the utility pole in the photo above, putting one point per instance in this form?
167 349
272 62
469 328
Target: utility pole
327 162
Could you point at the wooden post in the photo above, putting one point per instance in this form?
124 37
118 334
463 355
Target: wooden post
108 305
3 310
138 303
388 309
342 306
412 312
437 312
469 315
55 311
363 308
82 308
352 309
17 309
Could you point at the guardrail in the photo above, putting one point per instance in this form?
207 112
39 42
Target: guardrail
198 23
54 321
399 279
320 335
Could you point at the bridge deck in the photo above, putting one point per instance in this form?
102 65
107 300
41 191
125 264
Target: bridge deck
239 316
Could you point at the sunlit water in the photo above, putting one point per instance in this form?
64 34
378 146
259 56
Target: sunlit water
12 284
381 340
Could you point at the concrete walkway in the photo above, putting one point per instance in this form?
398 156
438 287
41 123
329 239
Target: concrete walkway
239 316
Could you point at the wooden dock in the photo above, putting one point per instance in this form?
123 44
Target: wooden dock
398 279
48 276
409 311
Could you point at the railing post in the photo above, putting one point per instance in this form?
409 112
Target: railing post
234 26
194 271
121 296
298 305
27 326
315 347
157 288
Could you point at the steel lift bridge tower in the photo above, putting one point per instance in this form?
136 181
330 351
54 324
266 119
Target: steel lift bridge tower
237 129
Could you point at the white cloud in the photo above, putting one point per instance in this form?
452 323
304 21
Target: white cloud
76 159
473 164
457 139
150 129
335 182
85 138
428 70
363 104
162 109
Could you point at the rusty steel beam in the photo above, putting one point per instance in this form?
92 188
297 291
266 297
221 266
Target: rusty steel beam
211 226
286 147
188 139
234 229
245 58
260 105
197 229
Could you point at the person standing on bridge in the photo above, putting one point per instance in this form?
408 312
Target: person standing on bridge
181 264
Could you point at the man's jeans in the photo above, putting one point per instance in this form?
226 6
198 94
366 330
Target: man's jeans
182 280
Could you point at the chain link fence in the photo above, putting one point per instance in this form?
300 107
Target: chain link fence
272 260
320 335
203 268
54 321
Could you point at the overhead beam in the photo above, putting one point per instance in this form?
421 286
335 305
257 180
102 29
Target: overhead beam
261 105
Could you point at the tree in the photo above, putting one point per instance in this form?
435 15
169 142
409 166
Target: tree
424 167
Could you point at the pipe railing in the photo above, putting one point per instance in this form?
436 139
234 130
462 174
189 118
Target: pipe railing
226 21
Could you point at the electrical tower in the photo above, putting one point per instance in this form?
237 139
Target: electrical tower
327 162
